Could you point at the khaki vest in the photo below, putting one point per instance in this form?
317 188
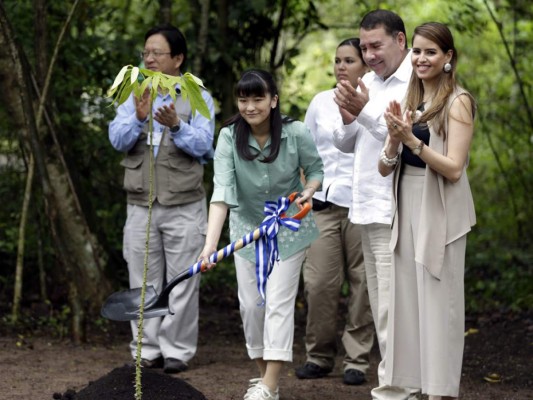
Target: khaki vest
447 210
177 176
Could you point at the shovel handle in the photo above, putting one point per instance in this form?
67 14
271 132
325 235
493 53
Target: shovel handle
253 236
304 210
160 307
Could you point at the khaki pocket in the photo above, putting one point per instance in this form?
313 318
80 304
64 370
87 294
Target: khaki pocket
184 174
133 174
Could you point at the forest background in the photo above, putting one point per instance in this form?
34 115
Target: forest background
61 182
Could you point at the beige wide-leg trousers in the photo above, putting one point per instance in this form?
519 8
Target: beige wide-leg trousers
426 315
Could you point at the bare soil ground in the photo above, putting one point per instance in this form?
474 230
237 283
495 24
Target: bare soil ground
498 349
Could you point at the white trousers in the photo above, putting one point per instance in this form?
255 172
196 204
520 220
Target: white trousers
177 236
269 328
375 240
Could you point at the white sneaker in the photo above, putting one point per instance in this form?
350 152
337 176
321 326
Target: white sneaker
254 381
260 391
251 385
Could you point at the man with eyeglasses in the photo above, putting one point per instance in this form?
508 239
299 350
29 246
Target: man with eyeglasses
181 144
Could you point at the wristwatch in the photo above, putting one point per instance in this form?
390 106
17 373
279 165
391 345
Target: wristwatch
418 149
175 128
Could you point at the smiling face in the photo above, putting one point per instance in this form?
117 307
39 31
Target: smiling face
428 59
382 52
157 56
256 110
348 64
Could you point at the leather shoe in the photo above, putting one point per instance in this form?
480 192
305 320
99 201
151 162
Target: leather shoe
311 371
353 377
155 363
174 366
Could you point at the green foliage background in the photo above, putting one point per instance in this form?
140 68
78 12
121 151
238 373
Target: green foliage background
108 34
499 256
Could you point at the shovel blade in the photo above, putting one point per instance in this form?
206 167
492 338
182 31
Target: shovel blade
125 305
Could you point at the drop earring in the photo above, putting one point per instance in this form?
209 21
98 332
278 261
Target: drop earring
447 67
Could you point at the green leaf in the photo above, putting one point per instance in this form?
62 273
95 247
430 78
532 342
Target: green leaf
117 93
125 94
172 92
164 83
169 83
191 90
145 84
137 88
148 72
155 86
127 82
134 74
120 77
197 80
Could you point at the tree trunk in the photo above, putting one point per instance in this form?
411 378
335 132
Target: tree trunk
41 35
165 11
80 257
40 57
19 269
202 37
226 72
277 36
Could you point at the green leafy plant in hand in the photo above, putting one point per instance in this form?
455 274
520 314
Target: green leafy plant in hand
137 80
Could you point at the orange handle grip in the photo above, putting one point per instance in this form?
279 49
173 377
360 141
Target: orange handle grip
304 210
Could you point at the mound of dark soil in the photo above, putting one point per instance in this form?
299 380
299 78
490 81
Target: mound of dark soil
119 385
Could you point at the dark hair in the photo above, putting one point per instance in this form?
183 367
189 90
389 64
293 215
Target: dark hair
174 37
257 82
391 22
354 42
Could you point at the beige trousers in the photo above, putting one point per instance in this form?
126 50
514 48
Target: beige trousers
334 258
426 315
177 236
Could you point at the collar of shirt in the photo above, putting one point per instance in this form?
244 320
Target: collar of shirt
253 143
402 73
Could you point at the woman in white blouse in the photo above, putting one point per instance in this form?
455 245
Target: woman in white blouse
336 256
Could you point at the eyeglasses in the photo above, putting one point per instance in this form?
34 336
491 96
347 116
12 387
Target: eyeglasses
155 53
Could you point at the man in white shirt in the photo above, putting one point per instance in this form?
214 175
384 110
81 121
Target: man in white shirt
363 132
336 257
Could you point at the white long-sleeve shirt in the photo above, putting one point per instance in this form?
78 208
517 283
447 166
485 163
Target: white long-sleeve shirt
321 118
371 192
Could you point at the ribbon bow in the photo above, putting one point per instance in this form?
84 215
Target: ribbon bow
266 247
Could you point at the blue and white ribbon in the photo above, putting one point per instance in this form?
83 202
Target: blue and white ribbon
266 247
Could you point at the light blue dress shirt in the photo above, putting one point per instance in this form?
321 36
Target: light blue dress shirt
195 137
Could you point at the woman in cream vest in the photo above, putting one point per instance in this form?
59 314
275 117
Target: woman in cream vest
427 149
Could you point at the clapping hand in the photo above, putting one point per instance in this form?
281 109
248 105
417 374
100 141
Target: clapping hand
142 105
166 115
349 100
400 126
